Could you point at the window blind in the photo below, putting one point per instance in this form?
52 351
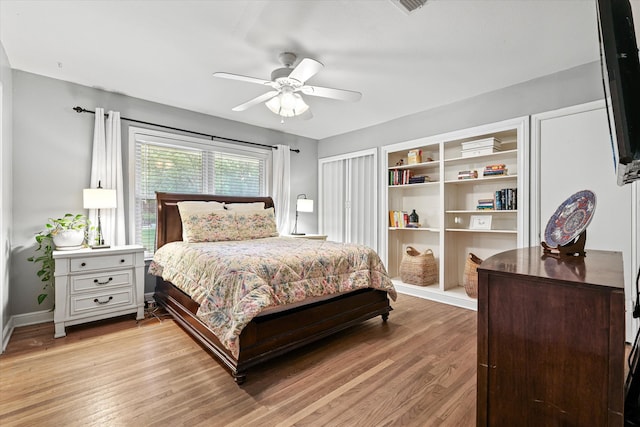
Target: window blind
185 165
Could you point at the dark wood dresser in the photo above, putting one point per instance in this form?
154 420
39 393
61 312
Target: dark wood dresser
550 339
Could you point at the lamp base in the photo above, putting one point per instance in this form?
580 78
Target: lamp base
100 246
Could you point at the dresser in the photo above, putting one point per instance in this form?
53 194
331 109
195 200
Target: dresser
550 339
94 284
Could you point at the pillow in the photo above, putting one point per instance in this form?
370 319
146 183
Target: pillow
190 207
256 224
254 206
214 226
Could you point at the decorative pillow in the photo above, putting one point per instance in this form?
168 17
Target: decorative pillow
254 206
256 224
214 226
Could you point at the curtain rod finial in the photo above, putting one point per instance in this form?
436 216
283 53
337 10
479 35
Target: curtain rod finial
78 109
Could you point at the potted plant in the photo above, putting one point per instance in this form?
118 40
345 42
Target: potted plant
64 233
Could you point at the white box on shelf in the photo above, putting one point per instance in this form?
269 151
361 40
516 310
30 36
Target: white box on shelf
482 143
479 151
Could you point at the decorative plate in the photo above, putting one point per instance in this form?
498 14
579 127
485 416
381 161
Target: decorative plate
570 219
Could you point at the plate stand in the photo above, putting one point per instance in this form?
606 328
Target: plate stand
573 248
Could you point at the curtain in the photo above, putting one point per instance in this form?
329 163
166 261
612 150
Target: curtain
106 169
282 186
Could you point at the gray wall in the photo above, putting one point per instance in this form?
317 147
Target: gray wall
570 87
6 124
52 158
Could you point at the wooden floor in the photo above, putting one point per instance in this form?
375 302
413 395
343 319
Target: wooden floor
418 369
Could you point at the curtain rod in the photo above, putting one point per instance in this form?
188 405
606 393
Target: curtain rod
83 110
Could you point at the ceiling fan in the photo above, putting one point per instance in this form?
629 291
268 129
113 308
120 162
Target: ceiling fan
286 82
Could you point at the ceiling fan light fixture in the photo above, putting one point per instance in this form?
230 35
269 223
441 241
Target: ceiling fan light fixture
287 104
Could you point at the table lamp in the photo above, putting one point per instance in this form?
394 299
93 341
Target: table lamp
302 205
99 198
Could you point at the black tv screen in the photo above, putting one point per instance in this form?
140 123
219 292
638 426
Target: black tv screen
621 78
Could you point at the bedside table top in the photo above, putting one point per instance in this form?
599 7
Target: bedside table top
307 236
97 252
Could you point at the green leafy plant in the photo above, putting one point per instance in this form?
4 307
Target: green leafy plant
46 246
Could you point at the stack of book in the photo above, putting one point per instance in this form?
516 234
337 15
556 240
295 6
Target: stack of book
494 170
506 199
468 174
480 147
485 204
419 179
398 219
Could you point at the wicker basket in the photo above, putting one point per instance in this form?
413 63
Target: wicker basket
418 269
470 278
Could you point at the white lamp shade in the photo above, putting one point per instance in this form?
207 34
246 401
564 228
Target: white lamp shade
287 104
99 198
304 205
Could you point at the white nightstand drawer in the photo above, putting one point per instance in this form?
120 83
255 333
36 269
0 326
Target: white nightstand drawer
92 282
82 304
101 262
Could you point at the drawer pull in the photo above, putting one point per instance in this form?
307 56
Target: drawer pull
122 260
97 282
97 301
84 264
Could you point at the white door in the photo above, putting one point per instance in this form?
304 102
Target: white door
348 210
571 151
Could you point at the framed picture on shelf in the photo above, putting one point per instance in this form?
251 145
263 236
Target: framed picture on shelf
480 222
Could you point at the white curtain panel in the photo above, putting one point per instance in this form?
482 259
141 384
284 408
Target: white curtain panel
106 169
282 186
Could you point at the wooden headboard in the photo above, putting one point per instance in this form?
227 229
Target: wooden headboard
169 225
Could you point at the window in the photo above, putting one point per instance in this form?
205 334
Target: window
175 163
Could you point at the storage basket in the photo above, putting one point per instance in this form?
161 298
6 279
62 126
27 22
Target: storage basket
470 278
418 269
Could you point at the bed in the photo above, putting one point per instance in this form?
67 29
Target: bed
274 330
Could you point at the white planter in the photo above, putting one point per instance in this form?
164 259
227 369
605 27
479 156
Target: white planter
68 239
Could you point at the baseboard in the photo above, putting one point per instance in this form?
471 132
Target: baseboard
6 334
26 319
34 318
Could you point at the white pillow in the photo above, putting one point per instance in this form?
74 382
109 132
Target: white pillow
254 206
196 207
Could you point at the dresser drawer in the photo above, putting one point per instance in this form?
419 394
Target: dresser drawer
101 262
83 304
95 281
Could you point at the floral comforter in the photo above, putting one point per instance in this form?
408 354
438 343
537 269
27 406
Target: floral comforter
234 281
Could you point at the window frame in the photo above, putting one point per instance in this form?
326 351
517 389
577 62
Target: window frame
176 140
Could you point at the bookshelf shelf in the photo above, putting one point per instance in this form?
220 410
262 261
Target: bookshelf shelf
448 206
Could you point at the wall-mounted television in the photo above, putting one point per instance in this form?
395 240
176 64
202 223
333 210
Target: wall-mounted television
621 80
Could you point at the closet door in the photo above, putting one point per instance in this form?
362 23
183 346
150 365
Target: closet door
571 151
348 209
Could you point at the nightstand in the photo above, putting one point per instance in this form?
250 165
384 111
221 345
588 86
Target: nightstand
308 236
94 284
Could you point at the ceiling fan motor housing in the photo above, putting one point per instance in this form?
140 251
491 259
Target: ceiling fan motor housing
281 76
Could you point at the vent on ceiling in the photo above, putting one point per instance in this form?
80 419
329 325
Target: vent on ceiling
408 6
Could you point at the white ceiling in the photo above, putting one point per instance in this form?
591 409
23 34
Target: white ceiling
166 51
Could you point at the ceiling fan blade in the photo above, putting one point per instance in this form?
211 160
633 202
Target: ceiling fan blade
241 78
306 69
327 92
257 100
307 115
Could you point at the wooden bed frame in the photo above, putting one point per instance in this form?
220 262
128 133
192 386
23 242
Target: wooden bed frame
269 335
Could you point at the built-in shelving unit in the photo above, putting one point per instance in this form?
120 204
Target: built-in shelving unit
450 222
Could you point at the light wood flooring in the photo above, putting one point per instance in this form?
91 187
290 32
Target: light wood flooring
418 369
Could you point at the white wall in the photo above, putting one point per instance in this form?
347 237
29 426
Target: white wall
52 155
6 143
570 87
